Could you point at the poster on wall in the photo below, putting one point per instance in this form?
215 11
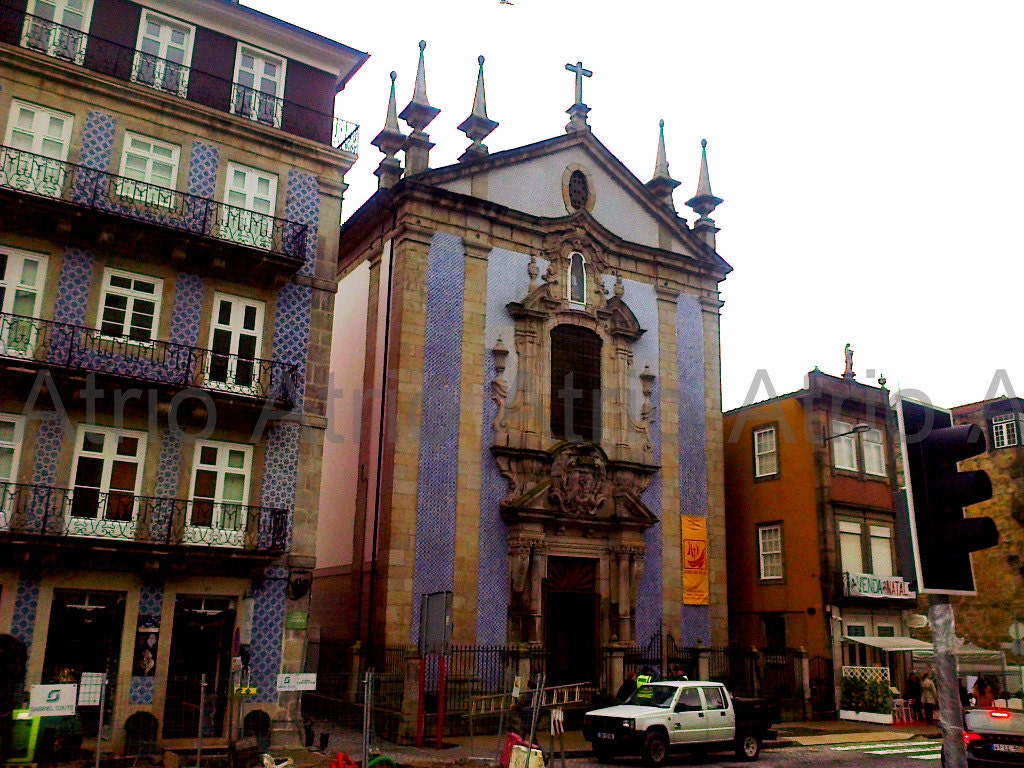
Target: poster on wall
147 638
695 560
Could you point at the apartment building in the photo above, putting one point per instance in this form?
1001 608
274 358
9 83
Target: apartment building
170 187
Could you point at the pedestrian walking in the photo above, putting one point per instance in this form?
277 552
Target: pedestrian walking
929 697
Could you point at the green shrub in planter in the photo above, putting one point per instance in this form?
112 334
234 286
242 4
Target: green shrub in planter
860 696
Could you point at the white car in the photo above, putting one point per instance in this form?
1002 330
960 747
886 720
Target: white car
680 715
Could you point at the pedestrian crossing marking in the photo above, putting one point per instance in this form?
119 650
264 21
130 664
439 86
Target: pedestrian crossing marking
887 745
904 750
928 756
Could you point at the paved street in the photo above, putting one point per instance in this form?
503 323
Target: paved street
921 751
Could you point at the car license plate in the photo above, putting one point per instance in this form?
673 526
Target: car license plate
606 735
1008 748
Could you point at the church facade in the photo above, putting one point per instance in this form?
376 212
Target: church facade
546 456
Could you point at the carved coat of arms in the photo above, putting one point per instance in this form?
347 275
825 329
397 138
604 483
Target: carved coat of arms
578 478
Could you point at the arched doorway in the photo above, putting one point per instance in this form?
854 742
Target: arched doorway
570 620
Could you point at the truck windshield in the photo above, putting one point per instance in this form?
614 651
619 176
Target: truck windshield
653 695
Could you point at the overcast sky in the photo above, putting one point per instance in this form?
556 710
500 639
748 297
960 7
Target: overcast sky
870 155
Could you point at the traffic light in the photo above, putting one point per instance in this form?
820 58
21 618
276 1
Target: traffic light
937 493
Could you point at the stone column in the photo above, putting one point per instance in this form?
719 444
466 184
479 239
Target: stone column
802 663
410 697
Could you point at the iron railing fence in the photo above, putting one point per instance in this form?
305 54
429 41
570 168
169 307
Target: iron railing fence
50 343
168 76
50 511
43 176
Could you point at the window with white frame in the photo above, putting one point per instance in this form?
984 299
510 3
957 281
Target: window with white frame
766 455
220 493
236 337
149 170
1004 431
163 53
57 28
258 91
251 197
130 305
877 558
22 275
11 433
106 479
886 630
38 140
769 550
881 550
844 446
874 452
851 554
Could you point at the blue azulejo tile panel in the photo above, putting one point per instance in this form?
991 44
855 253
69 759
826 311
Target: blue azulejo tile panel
268 633
507 280
141 690
437 486
49 438
303 207
693 489
73 287
291 335
642 299
280 474
187 311
696 627
202 170
151 601
94 157
97 141
26 605
167 478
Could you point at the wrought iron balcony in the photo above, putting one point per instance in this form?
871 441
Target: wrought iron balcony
48 511
48 343
43 176
110 58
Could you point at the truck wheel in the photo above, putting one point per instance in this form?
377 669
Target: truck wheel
748 747
655 748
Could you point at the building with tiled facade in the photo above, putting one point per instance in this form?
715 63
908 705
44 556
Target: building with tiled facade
813 537
545 330
171 177
985 619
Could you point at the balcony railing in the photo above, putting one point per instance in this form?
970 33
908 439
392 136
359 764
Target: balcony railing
101 191
110 58
48 511
49 343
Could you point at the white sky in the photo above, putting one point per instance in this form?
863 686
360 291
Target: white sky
870 156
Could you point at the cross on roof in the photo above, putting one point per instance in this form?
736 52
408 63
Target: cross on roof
580 72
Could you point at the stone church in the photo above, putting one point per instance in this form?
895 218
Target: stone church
534 334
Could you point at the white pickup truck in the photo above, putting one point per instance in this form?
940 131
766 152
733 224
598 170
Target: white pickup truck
680 715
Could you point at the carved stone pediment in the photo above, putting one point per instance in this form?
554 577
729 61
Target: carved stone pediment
574 484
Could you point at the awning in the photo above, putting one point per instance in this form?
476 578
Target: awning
890 643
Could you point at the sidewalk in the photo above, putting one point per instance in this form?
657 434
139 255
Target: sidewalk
482 750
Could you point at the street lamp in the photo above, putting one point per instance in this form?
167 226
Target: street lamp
857 429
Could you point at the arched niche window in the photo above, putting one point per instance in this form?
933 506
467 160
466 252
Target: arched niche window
575 384
576 279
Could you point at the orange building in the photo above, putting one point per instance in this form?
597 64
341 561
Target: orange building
812 535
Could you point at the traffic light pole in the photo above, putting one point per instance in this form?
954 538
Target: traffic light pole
940 614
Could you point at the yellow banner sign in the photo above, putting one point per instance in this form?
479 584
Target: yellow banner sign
695 560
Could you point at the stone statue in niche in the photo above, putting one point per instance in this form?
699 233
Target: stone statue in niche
577 279
578 477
